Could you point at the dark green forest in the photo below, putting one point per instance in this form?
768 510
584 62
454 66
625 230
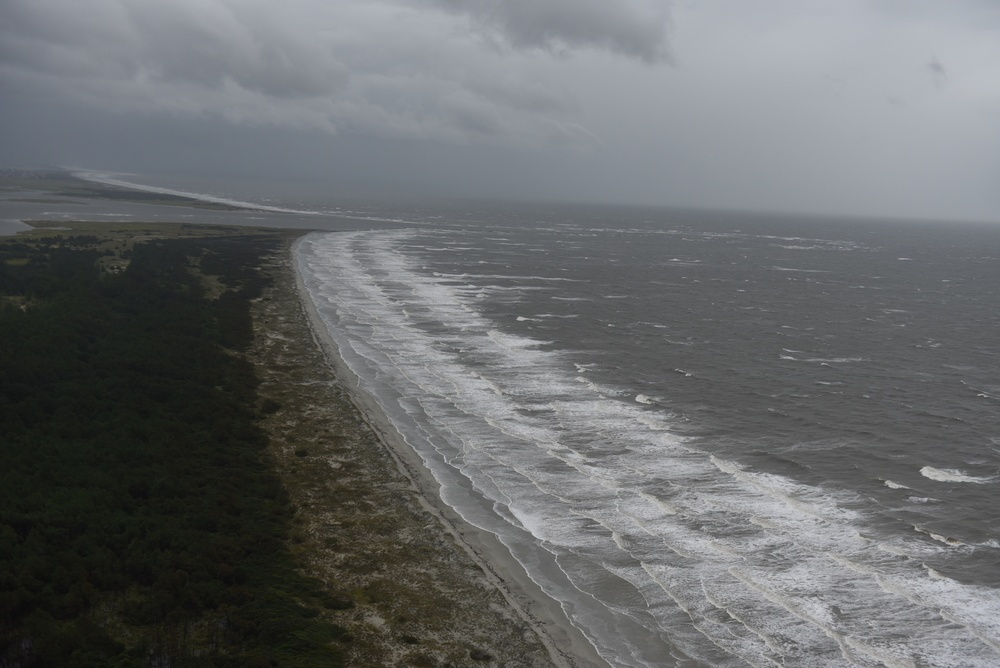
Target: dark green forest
141 522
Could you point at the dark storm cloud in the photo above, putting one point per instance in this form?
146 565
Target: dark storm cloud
629 28
369 66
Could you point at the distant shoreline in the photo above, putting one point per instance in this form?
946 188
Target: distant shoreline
56 184
107 179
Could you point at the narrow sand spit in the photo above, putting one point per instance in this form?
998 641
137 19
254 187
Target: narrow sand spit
418 586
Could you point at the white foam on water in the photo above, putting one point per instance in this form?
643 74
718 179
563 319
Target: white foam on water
653 537
803 271
952 475
938 537
506 277
823 360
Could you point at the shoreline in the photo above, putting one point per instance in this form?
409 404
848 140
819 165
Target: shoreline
475 605
566 645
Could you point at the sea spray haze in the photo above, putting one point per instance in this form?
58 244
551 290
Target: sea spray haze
732 438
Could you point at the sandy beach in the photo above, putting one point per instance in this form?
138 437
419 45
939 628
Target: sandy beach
421 586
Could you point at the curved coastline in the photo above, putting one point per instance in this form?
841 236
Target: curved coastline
106 179
567 646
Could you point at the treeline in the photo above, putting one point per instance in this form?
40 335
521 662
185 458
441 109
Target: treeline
140 521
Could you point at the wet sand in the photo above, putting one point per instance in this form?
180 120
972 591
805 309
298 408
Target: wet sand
423 587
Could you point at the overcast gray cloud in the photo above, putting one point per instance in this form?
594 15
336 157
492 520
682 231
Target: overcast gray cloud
378 67
633 28
865 106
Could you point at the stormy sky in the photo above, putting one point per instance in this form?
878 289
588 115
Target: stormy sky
883 107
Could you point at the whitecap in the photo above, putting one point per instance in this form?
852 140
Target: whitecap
823 360
725 465
947 540
952 475
935 574
804 271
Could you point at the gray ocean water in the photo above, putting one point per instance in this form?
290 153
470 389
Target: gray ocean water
759 440
718 438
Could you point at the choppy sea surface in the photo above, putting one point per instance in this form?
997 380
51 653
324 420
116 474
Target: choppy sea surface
756 440
716 438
